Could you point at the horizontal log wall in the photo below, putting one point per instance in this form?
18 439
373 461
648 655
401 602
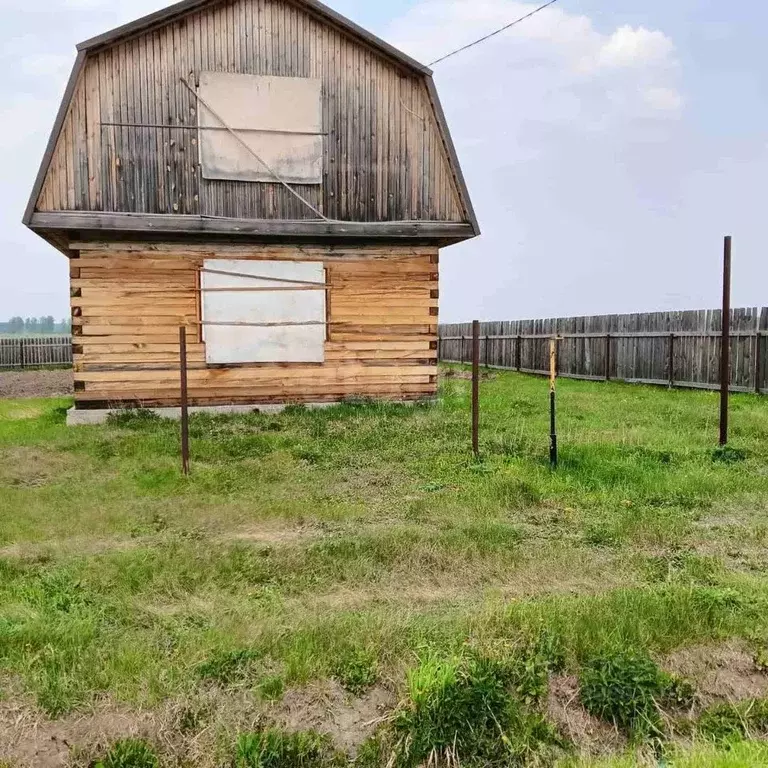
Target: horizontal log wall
384 155
128 302
679 349
35 351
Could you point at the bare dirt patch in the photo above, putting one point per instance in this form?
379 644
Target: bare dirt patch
190 731
721 673
29 740
271 535
591 736
77 545
327 708
36 383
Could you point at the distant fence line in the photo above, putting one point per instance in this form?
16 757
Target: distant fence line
680 349
33 351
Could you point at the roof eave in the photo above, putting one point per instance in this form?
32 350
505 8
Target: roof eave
53 139
179 9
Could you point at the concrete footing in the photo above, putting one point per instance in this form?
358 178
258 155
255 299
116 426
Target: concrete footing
80 418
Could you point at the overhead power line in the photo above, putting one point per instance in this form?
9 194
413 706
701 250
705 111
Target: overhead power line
493 34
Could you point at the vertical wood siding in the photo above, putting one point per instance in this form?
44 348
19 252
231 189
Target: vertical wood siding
384 158
128 302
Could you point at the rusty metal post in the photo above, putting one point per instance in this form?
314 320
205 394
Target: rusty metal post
184 400
607 356
671 361
552 403
476 388
725 351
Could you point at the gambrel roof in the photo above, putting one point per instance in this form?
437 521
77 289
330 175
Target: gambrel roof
450 229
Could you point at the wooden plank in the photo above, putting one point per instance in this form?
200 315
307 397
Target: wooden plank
139 222
263 372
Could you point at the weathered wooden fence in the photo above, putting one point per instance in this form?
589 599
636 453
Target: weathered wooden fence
31 351
680 349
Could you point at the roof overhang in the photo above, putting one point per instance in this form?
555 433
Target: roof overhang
172 12
60 227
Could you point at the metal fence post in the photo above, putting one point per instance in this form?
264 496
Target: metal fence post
184 400
607 356
725 351
553 366
476 388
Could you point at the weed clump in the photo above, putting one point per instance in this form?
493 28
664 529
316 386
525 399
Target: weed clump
228 667
465 711
356 670
726 454
727 723
628 689
129 753
137 419
272 688
275 749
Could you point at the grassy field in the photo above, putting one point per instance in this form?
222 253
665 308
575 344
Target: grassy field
355 572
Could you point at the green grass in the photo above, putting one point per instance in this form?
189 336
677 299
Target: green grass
129 753
744 755
347 543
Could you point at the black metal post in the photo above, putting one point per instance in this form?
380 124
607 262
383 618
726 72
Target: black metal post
476 388
22 362
553 404
184 400
607 356
758 363
725 351
519 353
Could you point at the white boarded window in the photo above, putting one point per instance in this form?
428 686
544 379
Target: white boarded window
279 118
283 324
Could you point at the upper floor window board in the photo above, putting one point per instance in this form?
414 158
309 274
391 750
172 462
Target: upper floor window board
279 118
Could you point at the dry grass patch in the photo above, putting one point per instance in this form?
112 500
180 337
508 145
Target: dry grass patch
33 467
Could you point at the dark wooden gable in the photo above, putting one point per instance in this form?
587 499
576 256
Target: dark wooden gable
125 141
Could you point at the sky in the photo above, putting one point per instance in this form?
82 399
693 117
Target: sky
608 147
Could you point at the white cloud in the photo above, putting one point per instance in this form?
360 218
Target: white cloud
663 99
24 123
46 65
569 137
630 47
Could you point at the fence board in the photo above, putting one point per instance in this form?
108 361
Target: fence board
633 348
17 352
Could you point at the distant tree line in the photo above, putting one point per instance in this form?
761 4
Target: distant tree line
35 326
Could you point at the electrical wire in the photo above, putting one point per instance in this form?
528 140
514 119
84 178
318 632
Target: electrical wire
493 34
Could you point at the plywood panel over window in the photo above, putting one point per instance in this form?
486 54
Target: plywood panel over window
279 118
237 320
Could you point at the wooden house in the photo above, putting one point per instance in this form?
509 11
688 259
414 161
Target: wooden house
268 175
